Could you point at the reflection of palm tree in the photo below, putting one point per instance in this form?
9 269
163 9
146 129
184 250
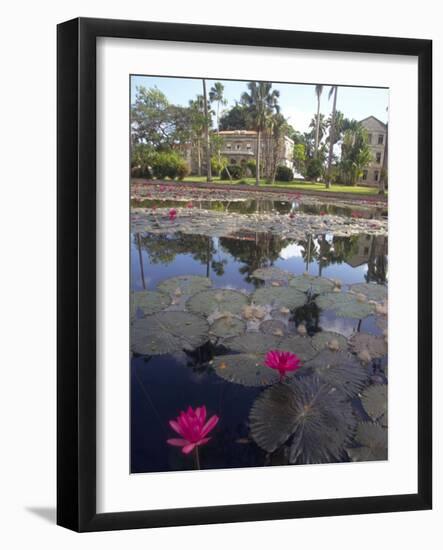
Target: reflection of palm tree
377 262
309 252
140 258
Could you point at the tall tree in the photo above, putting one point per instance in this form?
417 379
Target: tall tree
216 95
332 92
318 92
208 144
318 127
263 103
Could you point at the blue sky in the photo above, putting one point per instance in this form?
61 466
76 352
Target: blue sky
298 102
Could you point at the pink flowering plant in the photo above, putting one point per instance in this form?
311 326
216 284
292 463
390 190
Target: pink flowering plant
193 428
282 361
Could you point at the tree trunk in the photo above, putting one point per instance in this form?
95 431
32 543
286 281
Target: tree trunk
331 140
257 159
208 145
317 128
199 159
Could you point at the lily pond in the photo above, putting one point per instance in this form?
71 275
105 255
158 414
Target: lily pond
258 329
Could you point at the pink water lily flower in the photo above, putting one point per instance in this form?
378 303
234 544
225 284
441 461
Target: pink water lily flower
193 428
283 361
189 205
172 214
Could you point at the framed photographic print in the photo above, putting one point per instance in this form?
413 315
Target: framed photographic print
244 274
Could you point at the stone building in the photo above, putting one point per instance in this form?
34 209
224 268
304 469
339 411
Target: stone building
377 131
239 147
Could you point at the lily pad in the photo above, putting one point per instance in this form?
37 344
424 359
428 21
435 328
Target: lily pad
317 285
329 340
271 274
345 304
207 302
308 414
373 439
374 345
227 327
340 370
279 297
273 327
253 342
185 284
150 301
372 291
168 331
300 345
247 369
375 401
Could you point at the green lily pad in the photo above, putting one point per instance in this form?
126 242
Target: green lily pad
279 297
329 340
318 285
184 284
207 302
375 401
168 331
227 327
340 370
273 327
372 291
253 342
373 439
271 274
307 414
300 345
345 305
374 345
247 369
150 301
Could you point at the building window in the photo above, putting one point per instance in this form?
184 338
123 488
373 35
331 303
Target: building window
378 158
365 175
366 251
380 139
248 146
369 138
233 161
228 146
238 146
376 175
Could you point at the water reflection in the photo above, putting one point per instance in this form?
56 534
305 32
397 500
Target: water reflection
243 253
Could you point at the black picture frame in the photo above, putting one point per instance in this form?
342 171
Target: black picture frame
76 264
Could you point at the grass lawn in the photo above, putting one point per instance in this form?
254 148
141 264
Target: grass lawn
301 185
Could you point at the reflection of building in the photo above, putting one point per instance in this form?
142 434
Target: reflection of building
377 141
368 249
240 146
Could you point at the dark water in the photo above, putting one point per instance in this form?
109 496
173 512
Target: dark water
161 386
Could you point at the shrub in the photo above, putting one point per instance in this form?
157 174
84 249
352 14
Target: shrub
284 173
251 165
235 170
141 161
218 164
169 165
314 169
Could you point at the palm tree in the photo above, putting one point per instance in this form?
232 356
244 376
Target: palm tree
263 102
208 145
332 91
216 96
318 126
318 92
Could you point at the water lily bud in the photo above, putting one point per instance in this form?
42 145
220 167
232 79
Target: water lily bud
364 356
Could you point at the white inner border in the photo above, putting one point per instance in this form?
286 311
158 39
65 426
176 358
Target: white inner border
116 489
